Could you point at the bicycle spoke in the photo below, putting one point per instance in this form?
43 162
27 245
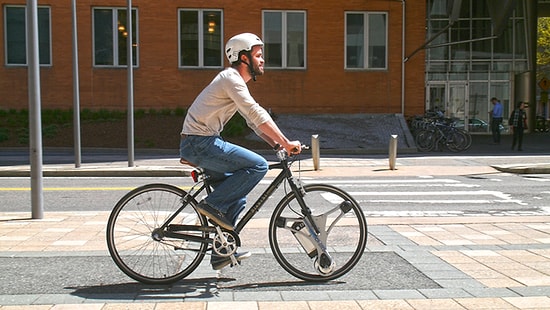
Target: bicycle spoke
140 251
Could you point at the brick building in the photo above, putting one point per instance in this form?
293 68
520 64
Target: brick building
322 56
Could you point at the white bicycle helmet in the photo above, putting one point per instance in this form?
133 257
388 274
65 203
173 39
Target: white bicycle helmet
239 43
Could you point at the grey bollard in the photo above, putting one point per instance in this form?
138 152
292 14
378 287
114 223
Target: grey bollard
393 151
315 152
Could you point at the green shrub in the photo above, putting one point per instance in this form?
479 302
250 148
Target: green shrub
235 127
4 134
180 111
50 131
139 113
15 118
57 116
22 135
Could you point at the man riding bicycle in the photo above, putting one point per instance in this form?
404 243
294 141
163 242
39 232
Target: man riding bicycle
237 170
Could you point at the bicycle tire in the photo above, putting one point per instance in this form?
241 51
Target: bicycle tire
130 235
458 140
346 236
455 141
468 139
425 140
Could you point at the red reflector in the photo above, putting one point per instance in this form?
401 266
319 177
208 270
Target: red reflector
195 175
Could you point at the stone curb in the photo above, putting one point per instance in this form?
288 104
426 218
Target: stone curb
173 171
524 169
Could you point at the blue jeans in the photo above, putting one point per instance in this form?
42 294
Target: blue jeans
236 171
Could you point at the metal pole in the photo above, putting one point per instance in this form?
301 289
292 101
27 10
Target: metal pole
130 63
403 29
315 152
531 21
393 151
35 123
76 93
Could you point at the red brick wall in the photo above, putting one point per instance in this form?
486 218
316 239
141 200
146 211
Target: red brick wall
324 87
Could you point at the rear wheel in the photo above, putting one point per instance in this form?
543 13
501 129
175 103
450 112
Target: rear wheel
137 245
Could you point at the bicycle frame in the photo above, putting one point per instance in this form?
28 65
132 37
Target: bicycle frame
279 179
172 230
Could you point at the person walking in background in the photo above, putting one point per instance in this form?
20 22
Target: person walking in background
518 123
496 119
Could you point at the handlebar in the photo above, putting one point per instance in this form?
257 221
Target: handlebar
282 153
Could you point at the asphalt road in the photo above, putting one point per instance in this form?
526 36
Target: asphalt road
493 194
87 274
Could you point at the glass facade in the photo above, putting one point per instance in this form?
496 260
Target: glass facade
470 61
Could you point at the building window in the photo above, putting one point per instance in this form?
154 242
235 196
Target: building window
15 19
366 40
200 38
110 37
284 35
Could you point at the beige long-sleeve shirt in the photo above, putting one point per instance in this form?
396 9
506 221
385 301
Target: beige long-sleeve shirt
218 102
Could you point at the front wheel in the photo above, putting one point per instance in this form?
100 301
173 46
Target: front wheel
342 230
137 242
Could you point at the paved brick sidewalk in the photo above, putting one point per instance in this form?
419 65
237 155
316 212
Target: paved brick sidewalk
480 263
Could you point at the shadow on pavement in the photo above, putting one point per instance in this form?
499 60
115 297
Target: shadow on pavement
196 288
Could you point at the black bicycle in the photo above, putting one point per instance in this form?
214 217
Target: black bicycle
437 134
155 234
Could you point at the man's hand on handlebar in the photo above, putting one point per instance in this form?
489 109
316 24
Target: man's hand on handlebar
291 148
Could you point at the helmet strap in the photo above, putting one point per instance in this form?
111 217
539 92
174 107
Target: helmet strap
250 67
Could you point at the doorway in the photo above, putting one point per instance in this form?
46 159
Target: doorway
450 98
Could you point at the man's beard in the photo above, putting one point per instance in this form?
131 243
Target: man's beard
258 70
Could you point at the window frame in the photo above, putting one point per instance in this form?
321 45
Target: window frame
6 47
115 41
366 55
284 39
201 38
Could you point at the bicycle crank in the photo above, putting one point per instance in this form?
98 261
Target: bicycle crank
225 243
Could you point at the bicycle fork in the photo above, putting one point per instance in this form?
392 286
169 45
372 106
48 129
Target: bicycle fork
311 231
325 263
313 244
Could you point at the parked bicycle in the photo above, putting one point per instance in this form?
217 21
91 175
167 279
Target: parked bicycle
155 234
436 133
